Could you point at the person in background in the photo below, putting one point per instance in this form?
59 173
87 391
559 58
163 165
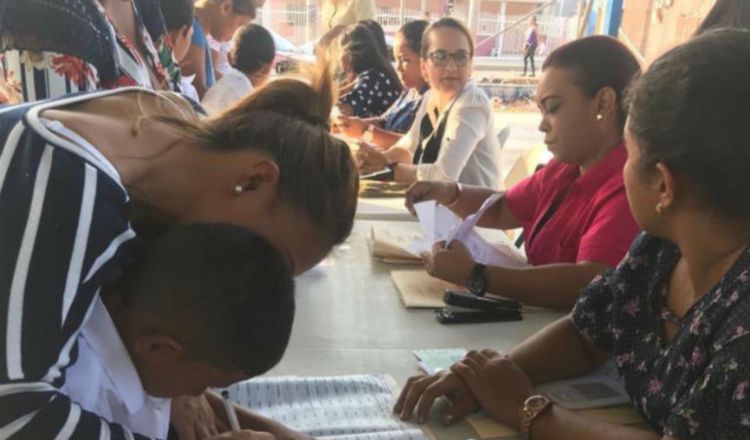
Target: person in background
388 128
452 137
574 212
733 14
220 19
178 17
251 57
531 41
370 85
377 31
346 12
51 49
675 313
206 305
220 56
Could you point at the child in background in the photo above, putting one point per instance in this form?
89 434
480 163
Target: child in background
178 16
251 57
206 306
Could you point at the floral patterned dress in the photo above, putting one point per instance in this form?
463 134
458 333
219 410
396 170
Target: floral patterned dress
27 75
372 95
696 385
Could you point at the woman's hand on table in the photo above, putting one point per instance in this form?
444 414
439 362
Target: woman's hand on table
452 263
496 382
350 126
370 159
420 393
443 193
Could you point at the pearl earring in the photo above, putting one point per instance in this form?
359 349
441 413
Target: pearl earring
599 117
238 189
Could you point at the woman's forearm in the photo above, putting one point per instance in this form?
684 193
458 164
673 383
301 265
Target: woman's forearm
556 352
555 286
384 138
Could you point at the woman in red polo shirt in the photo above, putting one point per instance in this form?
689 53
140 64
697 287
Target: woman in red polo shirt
574 212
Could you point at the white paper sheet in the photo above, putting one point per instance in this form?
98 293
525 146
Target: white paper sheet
439 223
356 407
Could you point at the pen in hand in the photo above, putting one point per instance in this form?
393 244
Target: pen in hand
231 414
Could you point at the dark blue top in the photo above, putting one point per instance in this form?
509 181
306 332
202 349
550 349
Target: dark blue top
696 385
199 39
400 116
372 94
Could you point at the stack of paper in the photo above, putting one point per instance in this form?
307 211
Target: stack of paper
376 189
354 407
434 360
439 223
392 245
418 289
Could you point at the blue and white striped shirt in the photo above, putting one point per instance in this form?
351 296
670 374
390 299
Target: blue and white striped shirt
64 231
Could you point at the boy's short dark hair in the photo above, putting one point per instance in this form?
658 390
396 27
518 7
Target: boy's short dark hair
253 48
222 291
177 13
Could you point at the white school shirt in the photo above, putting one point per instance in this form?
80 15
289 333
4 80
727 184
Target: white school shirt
188 89
232 87
104 380
469 150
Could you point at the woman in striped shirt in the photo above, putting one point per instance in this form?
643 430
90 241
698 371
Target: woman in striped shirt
81 178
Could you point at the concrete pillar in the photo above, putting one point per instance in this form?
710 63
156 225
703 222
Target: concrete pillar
311 23
472 16
612 17
503 22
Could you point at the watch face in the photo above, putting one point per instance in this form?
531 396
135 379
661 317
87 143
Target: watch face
536 402
477 284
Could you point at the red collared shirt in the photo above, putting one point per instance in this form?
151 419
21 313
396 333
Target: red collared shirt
592 222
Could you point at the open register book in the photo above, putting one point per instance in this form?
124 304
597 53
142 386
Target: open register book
356 407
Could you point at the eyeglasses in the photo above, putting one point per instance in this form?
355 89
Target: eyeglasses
441 58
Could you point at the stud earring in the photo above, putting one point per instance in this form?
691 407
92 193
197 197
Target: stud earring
599 117
238 189
661 209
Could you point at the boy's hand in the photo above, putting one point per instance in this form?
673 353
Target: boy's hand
194 419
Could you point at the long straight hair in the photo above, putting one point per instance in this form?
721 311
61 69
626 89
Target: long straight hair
365 52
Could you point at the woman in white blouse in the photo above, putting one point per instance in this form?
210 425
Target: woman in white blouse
346 12
452 137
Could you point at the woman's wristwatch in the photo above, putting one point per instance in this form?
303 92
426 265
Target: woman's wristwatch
533 407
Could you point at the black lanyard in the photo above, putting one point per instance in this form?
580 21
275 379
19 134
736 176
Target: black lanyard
427 152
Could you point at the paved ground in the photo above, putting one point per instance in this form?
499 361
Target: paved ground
524 134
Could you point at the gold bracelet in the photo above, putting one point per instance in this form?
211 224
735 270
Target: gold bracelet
453 202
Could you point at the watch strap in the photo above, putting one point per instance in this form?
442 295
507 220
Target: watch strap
533 407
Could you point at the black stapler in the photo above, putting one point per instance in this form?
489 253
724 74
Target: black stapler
463 307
